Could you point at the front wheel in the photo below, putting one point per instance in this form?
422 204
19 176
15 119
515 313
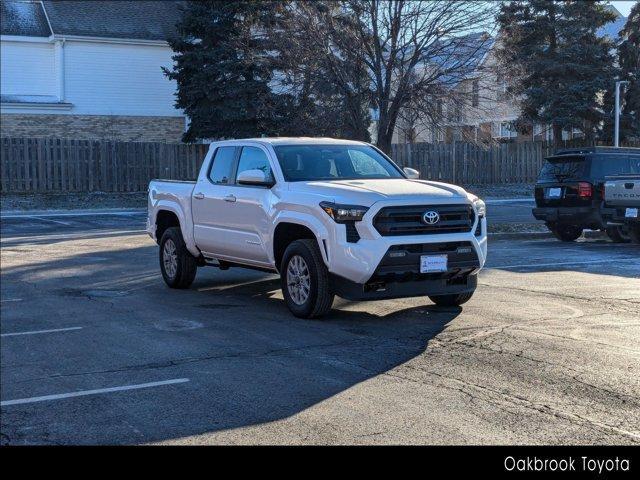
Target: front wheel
565 233
305 280
177 265
452 300
618 234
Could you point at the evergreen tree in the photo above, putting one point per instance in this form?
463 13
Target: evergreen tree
223 70
558 65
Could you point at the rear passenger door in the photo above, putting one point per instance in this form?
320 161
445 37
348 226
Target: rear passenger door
211 205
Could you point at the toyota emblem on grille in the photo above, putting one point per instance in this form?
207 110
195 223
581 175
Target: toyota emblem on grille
431 217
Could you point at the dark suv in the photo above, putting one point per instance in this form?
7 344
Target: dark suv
569 190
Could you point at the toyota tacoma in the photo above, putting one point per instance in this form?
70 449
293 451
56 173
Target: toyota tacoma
621 206
332 217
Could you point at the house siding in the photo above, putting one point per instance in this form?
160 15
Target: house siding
118 79
106 90
27 68
112 127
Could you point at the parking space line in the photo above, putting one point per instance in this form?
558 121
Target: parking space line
79 235
82 393
45 219
589 262
35 332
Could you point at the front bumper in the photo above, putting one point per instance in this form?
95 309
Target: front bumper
413 288
586 217
358 262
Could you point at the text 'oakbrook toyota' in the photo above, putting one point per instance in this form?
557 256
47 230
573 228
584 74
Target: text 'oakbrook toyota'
332 217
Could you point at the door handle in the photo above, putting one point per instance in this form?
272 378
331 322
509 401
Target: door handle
198 196
230 198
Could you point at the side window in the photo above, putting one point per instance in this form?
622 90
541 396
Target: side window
222 167
254 158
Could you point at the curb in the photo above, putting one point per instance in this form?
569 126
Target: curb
592 234
506 235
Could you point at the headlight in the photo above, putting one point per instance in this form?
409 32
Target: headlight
481 208
344 213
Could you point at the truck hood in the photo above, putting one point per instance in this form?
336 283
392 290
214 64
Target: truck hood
367 192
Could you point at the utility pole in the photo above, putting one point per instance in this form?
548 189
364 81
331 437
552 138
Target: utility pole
616 133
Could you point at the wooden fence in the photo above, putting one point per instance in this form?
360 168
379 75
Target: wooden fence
468 163
49 165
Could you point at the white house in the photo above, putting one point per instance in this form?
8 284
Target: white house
87 69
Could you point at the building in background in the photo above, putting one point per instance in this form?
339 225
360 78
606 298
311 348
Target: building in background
87 69
480 109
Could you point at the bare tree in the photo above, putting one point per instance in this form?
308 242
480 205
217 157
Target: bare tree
410 51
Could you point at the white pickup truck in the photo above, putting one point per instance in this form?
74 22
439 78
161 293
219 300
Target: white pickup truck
332 217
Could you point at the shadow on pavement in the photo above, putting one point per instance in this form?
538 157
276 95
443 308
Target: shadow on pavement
248 360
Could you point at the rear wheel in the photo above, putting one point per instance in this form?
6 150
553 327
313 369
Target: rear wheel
566 233
452 300
634 232
305 280
177 265
619 234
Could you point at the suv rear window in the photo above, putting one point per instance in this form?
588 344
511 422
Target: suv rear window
565 168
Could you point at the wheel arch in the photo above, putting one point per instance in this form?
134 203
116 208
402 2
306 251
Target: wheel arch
288 231
166 218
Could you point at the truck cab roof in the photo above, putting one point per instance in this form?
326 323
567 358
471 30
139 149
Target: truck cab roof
297 141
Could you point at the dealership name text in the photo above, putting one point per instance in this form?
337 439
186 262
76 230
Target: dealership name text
569 464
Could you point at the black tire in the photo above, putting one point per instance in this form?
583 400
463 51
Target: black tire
566 233
452 300
634 232
185 265
319 298
618 234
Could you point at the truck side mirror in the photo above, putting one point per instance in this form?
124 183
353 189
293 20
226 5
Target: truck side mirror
254 177
411 173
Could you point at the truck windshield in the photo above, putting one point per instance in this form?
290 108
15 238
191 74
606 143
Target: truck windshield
333 162
559 169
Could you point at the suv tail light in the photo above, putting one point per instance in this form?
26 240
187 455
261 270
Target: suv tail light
585 190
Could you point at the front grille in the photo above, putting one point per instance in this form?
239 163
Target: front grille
407 220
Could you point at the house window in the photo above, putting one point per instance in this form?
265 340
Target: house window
504 130
542 132
475 93
501 88
454 111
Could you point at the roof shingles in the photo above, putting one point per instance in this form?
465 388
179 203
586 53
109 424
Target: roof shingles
140 20
23 19
147 20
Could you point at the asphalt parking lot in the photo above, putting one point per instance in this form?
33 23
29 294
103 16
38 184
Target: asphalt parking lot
95 349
